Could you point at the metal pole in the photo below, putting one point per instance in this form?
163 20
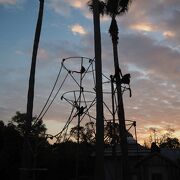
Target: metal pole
113 116
114 130
79 119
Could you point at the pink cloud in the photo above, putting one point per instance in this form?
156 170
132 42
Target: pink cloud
8 2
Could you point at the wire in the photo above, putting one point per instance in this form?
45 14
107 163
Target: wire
55 96
58 135
49 95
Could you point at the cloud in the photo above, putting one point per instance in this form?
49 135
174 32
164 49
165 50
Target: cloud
142 27
10 2
80 4
60 7
78 29
19 52
159 19
155 72
150 55
64 7
42 54
168 34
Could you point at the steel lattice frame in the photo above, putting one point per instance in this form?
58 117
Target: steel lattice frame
80 75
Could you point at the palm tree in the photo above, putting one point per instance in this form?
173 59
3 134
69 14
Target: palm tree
97 7
30 99
27 155
115 8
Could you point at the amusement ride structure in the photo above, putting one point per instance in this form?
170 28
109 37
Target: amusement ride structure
75 87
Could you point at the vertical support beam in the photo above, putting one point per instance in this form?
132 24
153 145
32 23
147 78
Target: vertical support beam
113 116
99 166
78 126
114 176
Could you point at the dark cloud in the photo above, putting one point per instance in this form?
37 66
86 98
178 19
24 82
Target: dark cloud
147 54
162 15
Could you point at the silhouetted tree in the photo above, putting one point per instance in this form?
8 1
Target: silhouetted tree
11 148
115 8
111 138
166 140
170 142
19 121
86 133
37 140
74 133
2 127
99 96
155 148
10 151
33 66
27 156
101 6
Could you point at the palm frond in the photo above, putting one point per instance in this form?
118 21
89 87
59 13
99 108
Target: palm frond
117 7
113 30
101 6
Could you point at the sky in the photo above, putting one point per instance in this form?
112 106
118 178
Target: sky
149 49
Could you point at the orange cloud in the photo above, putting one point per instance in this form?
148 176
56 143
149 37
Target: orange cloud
168 34
142 27
78 29
78 3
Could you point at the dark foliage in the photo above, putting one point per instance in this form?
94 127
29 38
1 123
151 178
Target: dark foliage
117 7
101 5
113 31
55 162
171 143
18 121
10 151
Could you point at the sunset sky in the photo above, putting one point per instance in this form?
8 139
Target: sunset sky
149 49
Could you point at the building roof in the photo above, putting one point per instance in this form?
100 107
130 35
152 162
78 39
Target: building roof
134 149
159 155
173 154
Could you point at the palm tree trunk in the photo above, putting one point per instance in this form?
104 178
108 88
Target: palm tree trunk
27 153
33 66
99 167
121 114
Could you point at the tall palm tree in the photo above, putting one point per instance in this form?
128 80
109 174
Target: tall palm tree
97 7
115 8
30 99
27 155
